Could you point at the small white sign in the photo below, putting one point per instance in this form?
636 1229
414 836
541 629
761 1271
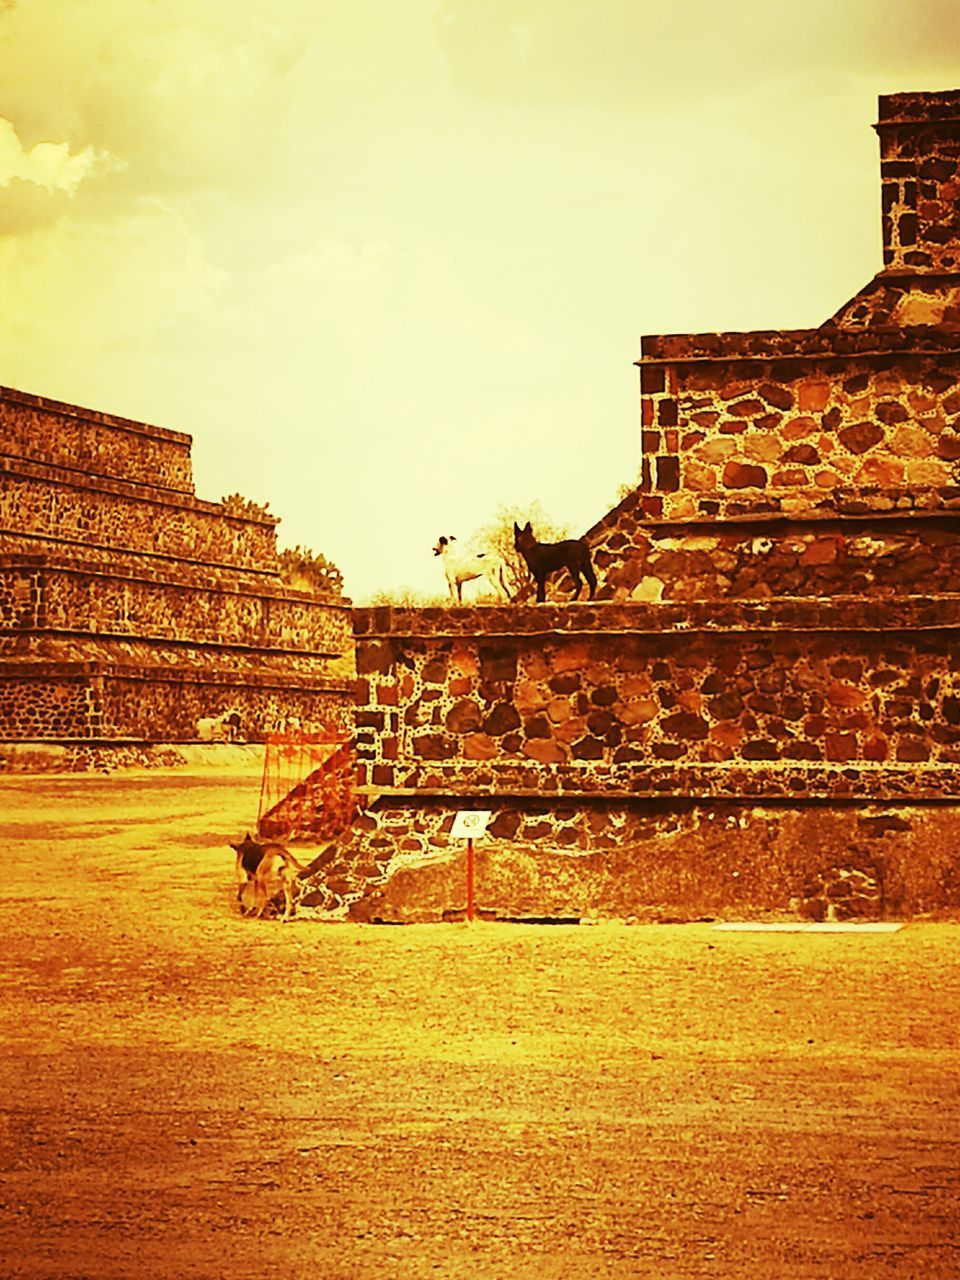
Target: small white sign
470 824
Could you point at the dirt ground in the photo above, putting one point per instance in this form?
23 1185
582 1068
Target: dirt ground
185 1093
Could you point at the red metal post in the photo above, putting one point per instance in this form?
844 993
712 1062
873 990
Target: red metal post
469 879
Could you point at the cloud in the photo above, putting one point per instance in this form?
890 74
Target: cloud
46 164
25 206
81 290
645 54
183 96
37 183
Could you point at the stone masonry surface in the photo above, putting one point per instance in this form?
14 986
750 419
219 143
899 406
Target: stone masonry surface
94 443
647 860
877 557
920 179
54 504
833 699
722 437
41 593
132 610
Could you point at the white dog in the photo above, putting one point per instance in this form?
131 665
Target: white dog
224 728
463 566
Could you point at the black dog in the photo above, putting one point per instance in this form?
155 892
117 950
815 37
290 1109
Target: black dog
543 558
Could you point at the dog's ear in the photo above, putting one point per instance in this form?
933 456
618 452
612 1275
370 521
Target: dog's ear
528 527
516 528
452 538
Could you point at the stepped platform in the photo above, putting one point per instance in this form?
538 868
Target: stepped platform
132 610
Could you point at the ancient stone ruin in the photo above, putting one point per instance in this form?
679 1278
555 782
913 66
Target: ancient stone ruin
132 611
764 715
760 713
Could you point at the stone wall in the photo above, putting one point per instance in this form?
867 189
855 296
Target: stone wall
878 556
790 758
646 860
131 610
761 712
741 433
43 505
160 702
864 408
42 702
91 442
920 179
792 698
37 594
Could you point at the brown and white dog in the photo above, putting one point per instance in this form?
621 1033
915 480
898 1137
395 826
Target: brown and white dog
465 566
263 872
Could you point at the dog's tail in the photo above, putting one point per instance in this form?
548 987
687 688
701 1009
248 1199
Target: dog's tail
273 849
288 857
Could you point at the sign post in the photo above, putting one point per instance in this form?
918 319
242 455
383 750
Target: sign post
470 824
469 880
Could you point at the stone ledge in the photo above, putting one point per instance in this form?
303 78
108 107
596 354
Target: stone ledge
84 476
87 755
27 400
840 614
703 783
166 674
842 508
919 108
159 636
797 344
274 589
130 490
144 558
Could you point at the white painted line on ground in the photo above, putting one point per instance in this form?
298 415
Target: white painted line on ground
813 926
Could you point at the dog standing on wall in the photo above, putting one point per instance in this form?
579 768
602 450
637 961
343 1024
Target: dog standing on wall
222 728
464 566
544 558
263 872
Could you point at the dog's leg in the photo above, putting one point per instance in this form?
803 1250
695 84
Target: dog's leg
541 588
287 901
262 897
589 574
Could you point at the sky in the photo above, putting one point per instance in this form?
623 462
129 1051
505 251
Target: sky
389 261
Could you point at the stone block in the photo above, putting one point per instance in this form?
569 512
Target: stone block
860 436
813 395
545 751
463 717
434 746
738 475
503 718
